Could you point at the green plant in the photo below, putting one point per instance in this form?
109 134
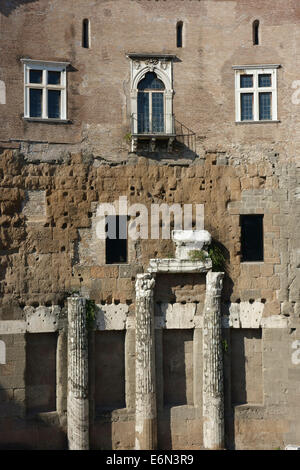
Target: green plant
217 257
169 255
127 137
90 313
198 255
225 345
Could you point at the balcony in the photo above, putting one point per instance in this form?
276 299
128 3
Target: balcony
152 126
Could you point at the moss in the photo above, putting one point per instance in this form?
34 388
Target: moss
90 313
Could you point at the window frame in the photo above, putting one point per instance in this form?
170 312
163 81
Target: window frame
162 66
256 90
45 67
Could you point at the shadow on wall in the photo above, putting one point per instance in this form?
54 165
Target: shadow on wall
8 6
20 433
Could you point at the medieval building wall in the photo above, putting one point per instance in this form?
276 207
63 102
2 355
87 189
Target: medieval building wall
54 175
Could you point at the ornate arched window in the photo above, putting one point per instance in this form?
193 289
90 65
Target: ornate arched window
151 105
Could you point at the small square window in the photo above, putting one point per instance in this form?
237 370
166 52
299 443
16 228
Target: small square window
54 78
246 81
35 76
45 90
252 237
264 80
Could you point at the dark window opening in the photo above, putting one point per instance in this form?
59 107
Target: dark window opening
256 33
252 237
151 105
179 27
116 239
85 34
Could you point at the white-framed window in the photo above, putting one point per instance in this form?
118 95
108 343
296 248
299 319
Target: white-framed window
255 93
45 90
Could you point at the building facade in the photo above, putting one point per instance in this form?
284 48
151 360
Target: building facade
175 102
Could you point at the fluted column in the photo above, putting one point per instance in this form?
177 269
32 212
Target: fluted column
78 403
213 390
145 398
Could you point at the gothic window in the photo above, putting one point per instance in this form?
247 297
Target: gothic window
151 105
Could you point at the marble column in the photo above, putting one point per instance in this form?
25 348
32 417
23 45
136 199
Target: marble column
213 389
145 394
78 402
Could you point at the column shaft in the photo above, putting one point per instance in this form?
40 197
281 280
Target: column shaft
78 403
213 390
145 402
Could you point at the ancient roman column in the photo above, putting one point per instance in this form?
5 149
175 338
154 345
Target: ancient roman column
78 403
213 390
145 394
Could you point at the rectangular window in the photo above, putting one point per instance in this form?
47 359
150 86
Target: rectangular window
246 106
265 100
45 94
116 239
256 93
252 237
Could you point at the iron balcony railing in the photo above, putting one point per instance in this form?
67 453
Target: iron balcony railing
155 124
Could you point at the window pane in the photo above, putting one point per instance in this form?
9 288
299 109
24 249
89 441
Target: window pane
143 112
151 82
53 104
35 76
246 81
264 106
158 112
35 97
53 78
247 106
265 80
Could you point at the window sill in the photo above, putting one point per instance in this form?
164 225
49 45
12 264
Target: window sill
252 262
258 122
49 121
